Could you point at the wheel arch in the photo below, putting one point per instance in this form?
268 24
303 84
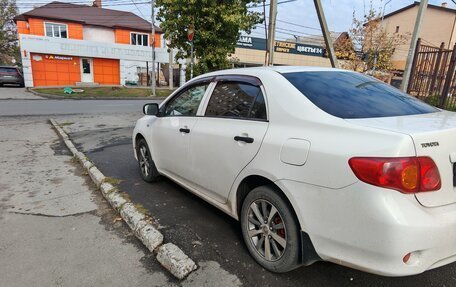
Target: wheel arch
248 184
308 254
138 137
254 180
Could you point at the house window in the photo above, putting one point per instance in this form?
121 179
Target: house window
139 39
56 30
397 29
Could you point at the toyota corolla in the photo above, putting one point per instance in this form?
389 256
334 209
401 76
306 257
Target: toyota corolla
315 163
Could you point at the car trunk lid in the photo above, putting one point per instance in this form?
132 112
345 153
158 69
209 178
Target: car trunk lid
434 135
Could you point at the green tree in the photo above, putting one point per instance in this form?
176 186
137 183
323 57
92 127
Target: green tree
8 33
369 36
217 26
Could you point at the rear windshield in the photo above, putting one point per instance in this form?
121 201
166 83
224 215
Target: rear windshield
352 95
8 70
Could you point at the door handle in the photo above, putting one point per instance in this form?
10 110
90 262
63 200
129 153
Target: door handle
184 130
243 139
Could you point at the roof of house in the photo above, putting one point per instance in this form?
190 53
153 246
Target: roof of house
89 15
446 9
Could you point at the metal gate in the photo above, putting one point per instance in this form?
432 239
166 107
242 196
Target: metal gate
432 77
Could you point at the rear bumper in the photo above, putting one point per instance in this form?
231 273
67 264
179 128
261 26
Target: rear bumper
372 229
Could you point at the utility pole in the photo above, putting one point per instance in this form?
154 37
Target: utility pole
190 36
171 69
191 60
266 57
411 52
326 35
153 47
271 32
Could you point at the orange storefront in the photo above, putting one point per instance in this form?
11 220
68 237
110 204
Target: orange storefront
66 44
58 70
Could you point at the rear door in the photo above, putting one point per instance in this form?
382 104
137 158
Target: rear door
229 134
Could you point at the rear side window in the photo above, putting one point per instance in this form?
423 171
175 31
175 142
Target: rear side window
236 100
350 95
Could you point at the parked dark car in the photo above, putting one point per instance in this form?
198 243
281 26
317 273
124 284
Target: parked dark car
11 75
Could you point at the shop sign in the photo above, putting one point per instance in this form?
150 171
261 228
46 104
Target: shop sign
251 43
280 46
56 57
89 49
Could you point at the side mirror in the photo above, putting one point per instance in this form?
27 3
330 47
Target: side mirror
151 109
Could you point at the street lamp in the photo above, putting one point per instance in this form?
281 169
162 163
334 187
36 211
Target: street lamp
383 12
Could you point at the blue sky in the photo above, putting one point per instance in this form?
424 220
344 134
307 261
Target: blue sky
300 13
338 14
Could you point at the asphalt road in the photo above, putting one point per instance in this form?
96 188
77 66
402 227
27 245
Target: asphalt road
60 107
15 102
202 231
207 234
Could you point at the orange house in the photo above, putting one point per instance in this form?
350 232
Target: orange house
66 44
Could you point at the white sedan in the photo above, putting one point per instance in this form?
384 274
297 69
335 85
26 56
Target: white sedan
315 163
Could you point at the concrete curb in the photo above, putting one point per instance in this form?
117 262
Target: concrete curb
169 255
173 259
56 97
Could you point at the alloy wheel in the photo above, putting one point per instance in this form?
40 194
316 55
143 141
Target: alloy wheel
266 230
144 162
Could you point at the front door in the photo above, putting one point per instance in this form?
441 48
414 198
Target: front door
87 70
228 136
172 130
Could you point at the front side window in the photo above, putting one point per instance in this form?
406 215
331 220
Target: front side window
187 102
139 39
236 100
350 95
56 30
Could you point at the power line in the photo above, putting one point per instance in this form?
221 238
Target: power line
132 1
281 2
290 30
287 32
299 25
78 5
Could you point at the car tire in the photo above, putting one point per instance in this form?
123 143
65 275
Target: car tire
147 166
284 256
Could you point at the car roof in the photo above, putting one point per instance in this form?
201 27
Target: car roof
277 69
292 69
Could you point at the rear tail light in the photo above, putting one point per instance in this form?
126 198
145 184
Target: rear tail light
405 174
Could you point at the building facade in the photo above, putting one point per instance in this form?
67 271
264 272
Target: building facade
66 44
439 25
251 51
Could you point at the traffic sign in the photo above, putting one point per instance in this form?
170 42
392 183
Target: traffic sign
190 32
